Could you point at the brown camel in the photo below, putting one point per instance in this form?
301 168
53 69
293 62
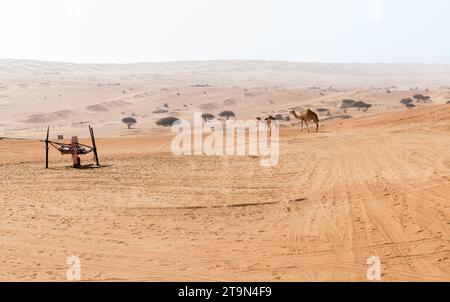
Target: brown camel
269 121
307 116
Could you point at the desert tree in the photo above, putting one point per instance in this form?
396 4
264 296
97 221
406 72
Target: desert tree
406 101
208 116
420 98
227 114
279 117
129 121
362 105
167 121
347 103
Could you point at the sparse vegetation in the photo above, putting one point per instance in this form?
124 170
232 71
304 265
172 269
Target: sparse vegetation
407 102
208 116
362 105
160 111
129 121
227 114
348 103
167 121
279 117
201 85
323 111
420 98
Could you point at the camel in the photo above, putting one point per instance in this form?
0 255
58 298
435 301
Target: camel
307 116
269 121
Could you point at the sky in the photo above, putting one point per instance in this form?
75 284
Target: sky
126 31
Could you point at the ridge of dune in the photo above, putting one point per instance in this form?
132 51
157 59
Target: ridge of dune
431 116
250 72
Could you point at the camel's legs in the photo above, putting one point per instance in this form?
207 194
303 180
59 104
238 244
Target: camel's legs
317 126
307 126
302 126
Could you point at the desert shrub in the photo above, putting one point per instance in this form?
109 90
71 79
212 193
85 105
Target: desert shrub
362 105
167 121
410 105
159 111
448 102
406 101
347 103
208 116
166 105
227 114
420 98
129 121
323 110
354 104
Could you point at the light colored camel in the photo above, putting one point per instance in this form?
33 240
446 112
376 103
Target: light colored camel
307 116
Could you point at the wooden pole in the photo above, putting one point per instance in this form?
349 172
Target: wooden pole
94 146
46 148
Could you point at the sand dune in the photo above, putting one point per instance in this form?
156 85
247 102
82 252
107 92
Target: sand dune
369 186
370 183
33 94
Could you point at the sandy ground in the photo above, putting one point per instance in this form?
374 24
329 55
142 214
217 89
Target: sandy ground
375 186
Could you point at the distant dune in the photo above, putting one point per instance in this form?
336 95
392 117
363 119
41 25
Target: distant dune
37 94
249 72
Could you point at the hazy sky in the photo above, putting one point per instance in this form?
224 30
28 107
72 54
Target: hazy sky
167 30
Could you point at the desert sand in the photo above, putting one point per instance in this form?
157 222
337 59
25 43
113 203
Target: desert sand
368 184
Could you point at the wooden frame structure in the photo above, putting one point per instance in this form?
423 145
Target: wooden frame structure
74 148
